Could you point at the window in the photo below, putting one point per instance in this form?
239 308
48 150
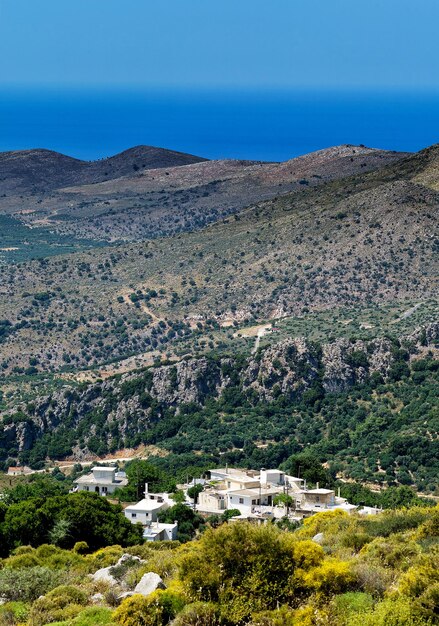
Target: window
133 514
241 500
253 501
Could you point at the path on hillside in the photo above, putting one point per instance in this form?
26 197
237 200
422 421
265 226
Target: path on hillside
407 313
261 333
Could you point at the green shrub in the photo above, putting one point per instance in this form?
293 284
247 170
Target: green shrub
135 611
27 584
94 616
199 614
63 603
348 604
80 547
399 612
14 612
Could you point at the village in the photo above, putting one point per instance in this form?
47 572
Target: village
250 495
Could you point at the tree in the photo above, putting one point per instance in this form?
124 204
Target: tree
194 491
188 521
285 500
76 517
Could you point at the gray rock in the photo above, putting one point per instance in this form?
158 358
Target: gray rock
129 558
318 538
124 595
97 598
149 583
104 575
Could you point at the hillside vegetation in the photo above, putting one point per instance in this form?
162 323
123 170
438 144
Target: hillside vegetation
380 571
371 238
334 256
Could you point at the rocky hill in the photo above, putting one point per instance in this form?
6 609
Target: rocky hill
163 404
147 192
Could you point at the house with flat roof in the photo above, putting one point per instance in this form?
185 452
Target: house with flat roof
21 470
102 480
161 532
147 511
254 494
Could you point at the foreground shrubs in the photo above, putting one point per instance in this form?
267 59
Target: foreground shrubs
27 584
61 604
157 609
241 575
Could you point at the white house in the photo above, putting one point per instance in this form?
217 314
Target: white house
147 510
161 532
21 470
102 480
254 494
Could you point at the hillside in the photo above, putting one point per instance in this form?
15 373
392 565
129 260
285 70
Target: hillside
40 171
369 238
356 405
348 262
127 198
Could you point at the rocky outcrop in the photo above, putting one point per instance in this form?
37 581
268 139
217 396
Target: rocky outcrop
288 368
128 406
346 363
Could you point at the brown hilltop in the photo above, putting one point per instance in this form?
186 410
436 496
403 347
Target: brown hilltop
40 170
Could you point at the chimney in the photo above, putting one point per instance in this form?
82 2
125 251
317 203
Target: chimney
339 492
146 489
317 485
227 468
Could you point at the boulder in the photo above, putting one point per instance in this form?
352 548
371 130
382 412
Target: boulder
104 575
148 583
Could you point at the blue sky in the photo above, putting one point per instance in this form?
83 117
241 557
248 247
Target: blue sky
262 44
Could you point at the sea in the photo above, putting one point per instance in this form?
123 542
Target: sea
265 125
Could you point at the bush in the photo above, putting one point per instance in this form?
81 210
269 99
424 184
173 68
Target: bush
27 584
60 604
135 611
13 612
246 568
94 616
199 614
390 613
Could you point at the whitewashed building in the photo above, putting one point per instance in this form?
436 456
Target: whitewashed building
101 480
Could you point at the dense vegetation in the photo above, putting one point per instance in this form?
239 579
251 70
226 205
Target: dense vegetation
381 432
42 512
377 571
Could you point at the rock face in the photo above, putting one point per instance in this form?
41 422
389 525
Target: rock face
129 405
288 368
148 583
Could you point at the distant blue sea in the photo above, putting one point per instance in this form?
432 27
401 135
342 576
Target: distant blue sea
249 125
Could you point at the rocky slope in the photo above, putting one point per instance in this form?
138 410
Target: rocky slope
112 411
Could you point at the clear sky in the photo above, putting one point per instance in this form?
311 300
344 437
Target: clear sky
220 43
